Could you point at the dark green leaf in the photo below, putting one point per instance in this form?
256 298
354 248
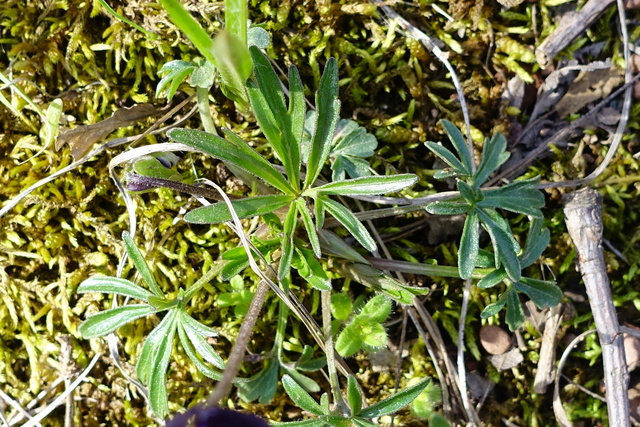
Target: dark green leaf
449 207
542 293
515 314
537 241
457 168
504 244
114 285
263 385
303 381
492 279
459 144
296 112
244 208
313 422
140 264
493 308
395 402
328 107
288 248
493 156
361 422
519 197
108 321
468 193
469 244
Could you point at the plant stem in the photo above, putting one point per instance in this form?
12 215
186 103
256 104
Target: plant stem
237 352
205 111
330 352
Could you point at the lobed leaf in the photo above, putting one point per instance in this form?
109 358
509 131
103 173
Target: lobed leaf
515 314
451 207
141 265
504 244
492 279
543 293
459 144
312 233
199 364
288 247
108 321
493 156
114 285
457 168
350 222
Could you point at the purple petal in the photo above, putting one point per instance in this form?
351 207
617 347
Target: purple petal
216 417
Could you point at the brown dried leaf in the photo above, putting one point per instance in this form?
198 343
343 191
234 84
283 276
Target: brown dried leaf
589 87
82 138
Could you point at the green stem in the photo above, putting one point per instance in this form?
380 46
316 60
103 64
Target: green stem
283 315
205 111
203 280
330 352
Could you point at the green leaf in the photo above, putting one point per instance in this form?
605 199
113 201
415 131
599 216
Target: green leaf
114 285
395 402
380 282
470 194
492 279
328 107
244 208
458 169
459 144
296 113
537 241
519 197
140 264
199 364
469 244
350 222
341 306
361 422
493 308
543 293
312 233
259 37
288 247
334 245
174 74
374 335
351 142
158 382
108 321
300 397
233 62
313 422
377 309
236 14
196 326
311 270
354 395
369 185
190 27
201 345
203 75
349 340
234 151
437 420
493 156
303 381
347 165
450 207
515 314
154 342
263 385
504 244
